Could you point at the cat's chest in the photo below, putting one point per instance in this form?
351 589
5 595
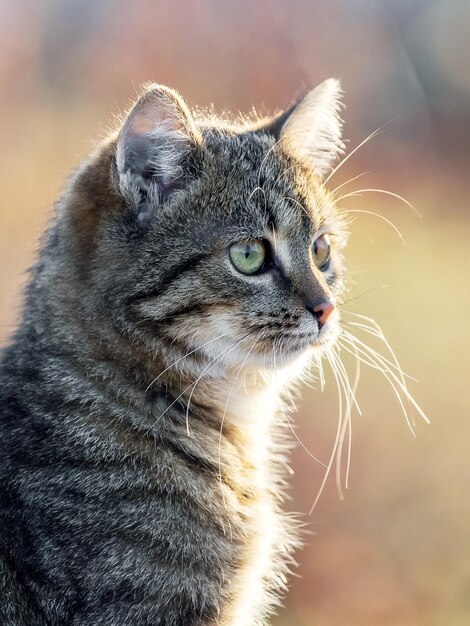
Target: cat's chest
256 415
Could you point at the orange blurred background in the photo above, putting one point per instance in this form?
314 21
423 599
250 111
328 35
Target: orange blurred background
396 551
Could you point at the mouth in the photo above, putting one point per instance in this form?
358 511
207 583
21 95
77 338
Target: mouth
314 341
294 343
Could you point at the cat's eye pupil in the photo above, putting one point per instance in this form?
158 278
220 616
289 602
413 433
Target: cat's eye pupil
321 252
248 257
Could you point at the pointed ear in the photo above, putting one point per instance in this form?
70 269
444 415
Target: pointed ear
312 130
153 145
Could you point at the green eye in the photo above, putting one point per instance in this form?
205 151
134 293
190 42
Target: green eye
321 252
248 256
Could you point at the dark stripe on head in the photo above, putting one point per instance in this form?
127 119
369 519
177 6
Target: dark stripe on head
186 266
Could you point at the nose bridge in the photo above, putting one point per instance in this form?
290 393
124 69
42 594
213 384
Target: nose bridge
306 279
312 288
309 283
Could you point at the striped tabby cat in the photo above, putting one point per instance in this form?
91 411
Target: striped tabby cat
190 274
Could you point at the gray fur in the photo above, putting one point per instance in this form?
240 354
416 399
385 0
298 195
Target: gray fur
131 495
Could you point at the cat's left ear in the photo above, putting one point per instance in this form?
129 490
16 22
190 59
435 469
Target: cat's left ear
311 129
153 146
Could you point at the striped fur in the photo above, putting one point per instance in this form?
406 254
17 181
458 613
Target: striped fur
143 397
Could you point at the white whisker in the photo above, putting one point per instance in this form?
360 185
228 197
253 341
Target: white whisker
368 360
358 192
336 189
350 154
357 375
381 335
286 417
284 172
299 205
395 364
208 367
350 389
184 357
360 295
350 395
382 217
338 432
346 418
373 360
225 412
265 158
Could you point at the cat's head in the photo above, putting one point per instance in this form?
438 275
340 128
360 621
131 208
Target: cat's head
212 236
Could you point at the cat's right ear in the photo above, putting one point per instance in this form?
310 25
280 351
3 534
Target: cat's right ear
153 147
311 129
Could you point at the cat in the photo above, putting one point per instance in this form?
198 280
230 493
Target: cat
191 272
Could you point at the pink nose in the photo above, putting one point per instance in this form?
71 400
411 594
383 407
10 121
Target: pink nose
322 312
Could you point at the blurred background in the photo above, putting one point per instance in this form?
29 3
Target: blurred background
396 550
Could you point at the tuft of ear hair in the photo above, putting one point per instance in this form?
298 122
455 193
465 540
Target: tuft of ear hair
153 143
313 128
